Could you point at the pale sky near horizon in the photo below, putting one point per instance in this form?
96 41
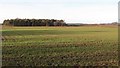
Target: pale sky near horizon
72 11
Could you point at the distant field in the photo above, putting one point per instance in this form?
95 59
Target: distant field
60 46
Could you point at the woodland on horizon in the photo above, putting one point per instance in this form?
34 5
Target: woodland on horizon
34 22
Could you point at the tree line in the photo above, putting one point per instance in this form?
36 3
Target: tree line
34 22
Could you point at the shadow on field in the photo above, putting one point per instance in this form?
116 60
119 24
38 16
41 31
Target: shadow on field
44 32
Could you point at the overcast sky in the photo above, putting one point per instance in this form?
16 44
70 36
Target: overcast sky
72 11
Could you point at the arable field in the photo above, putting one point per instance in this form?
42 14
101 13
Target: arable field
60 46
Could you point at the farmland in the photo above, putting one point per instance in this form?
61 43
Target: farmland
60 46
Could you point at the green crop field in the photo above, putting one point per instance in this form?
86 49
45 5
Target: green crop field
60 46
